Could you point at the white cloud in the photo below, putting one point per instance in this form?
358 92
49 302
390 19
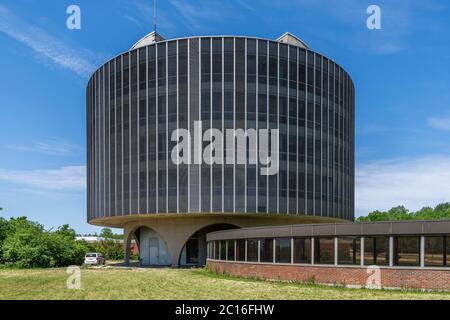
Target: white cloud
69 178
414 183
439 123
55 147
45 45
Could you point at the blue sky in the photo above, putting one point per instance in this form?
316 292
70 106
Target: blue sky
401 73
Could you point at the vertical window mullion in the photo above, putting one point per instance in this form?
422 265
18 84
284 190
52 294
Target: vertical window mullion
156 125
234 125
188 128
223 124
245 122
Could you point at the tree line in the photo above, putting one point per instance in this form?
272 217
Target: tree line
401 213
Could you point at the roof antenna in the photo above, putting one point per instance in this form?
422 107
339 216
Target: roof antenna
154 15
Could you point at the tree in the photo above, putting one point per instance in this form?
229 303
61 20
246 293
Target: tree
107 233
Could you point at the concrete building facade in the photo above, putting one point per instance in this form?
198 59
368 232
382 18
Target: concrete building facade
136 100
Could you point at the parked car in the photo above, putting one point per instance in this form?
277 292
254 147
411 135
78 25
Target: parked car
94 258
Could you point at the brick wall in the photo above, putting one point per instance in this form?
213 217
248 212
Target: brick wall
411 278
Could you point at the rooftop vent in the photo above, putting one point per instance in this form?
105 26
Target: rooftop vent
150 38
289 38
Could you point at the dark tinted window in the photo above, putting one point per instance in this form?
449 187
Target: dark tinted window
324 250
223 250
266 250
302 250
407 251
434 250
283 250
252 250
349 250
240 250
230 249
216 249
376 251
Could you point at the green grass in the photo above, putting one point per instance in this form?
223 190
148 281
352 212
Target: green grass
171 284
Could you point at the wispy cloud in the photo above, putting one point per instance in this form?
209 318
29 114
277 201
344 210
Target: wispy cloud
439 123
69 178
411 182
50 146
140 12
197 14
43 44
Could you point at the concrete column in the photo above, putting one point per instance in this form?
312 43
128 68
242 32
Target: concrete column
226 250
362 251
126 246
235 251
422 251
127 254
312 250
335 251
391 251
245 250
274 250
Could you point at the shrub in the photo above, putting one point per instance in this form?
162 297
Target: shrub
110 248
26 244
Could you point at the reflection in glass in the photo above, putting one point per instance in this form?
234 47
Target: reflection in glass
407 251
376 251
302 250
434 251
324 250
349 250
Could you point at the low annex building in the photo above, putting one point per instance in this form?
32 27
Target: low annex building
413 254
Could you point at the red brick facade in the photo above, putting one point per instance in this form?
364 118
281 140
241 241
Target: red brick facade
411 278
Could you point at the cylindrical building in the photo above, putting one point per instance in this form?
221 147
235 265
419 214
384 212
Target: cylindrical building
136 101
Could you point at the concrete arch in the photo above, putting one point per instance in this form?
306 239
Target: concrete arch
135 232
202 231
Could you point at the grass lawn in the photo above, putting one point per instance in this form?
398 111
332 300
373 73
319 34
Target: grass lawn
170 284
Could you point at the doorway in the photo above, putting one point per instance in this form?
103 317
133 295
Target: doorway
153 251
